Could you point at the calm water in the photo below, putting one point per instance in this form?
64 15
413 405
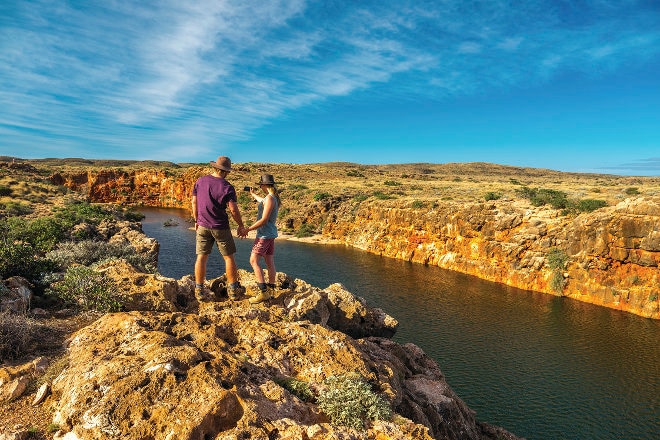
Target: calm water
542 367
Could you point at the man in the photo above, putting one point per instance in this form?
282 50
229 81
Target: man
211 197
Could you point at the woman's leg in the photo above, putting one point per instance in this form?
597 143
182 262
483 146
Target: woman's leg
270 265
258 273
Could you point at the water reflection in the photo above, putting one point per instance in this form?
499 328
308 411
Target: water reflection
541 366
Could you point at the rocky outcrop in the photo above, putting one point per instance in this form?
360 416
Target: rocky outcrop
608 257
611 256
219 370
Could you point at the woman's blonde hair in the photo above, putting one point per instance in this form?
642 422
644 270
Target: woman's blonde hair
272 189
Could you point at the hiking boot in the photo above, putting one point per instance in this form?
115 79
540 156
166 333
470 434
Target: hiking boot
264 295
201 294
234 291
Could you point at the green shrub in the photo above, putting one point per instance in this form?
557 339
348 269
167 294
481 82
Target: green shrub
17 208
557 282
321 196
492 196
360 197
418 204
544 196
349 401
86 288
632 191
296 387
75 212
19 258
305 230
131 215
17 334
557 259
354 173
589 205
382 196
5 191
392 183
296 187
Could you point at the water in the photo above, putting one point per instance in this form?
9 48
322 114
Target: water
541 366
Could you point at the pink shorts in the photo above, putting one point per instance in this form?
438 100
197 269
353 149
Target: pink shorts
263 246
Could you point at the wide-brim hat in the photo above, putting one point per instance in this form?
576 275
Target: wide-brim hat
222 163
267 179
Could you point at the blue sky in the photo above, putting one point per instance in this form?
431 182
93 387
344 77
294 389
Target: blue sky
567 85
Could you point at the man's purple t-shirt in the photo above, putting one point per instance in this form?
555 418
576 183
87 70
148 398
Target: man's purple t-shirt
213 194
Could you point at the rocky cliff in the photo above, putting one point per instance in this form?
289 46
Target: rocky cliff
171 367
608 257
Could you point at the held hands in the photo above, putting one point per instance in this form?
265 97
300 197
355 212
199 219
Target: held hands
242 232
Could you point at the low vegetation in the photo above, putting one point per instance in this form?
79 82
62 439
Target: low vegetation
559 200
349 401
557 261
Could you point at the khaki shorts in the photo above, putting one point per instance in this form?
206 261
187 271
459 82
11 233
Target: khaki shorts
206 237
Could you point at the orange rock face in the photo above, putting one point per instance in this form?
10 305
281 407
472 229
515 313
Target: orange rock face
609 257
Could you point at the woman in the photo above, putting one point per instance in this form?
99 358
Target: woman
264 243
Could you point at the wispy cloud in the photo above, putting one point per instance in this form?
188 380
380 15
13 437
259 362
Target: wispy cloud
142 77
650 166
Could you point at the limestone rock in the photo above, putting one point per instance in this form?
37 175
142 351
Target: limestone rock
141 291
18 297
218 374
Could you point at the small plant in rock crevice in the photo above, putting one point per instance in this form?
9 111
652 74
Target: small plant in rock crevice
557 261
298 388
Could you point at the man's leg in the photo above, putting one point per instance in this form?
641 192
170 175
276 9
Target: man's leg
230 268
200 268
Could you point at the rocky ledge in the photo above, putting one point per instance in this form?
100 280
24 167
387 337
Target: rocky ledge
172 367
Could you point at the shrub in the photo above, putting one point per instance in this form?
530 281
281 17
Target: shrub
589 205
632 191
349 401
75 212
321 196
17 335
354 173
297 387
131 215
492 196
418 204
17 208
86 288
360 197
382 196
5 191
43 233
392 183
297 187
557 259
305 230
544 196
557 282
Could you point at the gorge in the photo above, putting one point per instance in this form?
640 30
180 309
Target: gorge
428 214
